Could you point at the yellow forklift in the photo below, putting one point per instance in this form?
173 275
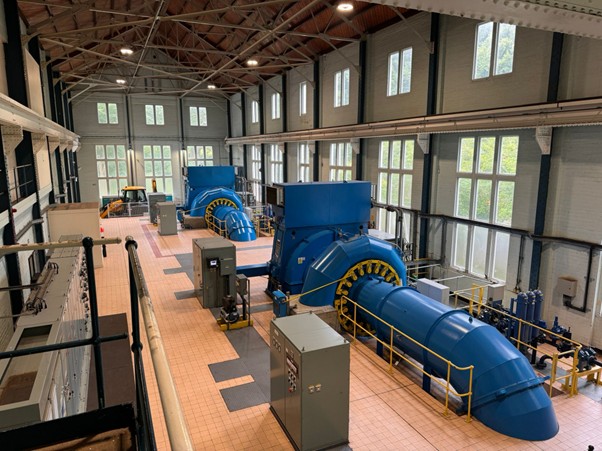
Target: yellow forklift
134 195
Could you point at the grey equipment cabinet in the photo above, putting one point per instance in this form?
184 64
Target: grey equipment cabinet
168 223
214 270
153 200
309 381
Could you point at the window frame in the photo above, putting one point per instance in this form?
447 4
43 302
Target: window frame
276 104
304 163
303 98
342 82
155 114
276 163
120 181
254 112
343 152
200 155
256 170
107 107
399 72
199 122
386 171
470 231
162 178
494 50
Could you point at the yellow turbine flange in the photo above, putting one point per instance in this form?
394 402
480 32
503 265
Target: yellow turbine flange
216 202
376 267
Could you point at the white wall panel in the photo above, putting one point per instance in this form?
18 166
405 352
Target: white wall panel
235 115
345 57
295 78
272 86
580 68
251 94
379 106
527 84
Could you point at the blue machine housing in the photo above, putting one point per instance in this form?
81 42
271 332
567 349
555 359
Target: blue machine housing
213 187
308 218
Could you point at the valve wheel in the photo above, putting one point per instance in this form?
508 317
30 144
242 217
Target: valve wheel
363 268
216 202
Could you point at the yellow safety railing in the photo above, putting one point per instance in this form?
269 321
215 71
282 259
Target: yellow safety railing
473 290
263 224
392 351
569 380
218 226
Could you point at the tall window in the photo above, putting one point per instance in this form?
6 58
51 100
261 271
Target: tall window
199 155
198 116
107 113
341 162
399 79
302 98
485 181
111 169
395 167
254 112
255 178
154 115
276 164
157 165
276 105
494 47
341 88
303 164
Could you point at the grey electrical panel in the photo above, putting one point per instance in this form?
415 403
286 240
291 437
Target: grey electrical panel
309 381
168 223
153 200
214 268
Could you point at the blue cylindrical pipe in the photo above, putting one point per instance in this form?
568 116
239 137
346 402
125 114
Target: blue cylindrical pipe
507 395
238 226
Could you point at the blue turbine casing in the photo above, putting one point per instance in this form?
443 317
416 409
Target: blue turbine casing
341 255
202 182
508 396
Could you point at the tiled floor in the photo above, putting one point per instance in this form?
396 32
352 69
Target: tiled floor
387 412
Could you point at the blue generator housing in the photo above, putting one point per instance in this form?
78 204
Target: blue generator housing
309 217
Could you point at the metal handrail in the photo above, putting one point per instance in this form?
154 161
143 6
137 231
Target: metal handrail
177 430
392 350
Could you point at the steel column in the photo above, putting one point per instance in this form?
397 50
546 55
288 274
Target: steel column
361 107
545 164
284 110
13 52
316 121
431 109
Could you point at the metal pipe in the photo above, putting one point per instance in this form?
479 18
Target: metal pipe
100 388
179 437
583 308
14 248
59 346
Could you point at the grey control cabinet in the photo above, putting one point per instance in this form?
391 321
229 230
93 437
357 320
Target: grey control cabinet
309 381
168 223
214 269
153 200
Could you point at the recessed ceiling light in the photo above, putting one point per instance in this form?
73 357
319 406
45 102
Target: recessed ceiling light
345 6
252 62
121 81
210 86
126 51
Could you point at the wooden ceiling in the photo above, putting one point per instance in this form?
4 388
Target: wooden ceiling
180 47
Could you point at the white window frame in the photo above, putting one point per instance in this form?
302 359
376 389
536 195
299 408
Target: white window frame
303 98
154 114
303 163
198 116
342 80
254 112
199 155
104 161
275 105
341 165
471 232
276 164
163 177
494 50
396 70
403 172
108 106
255 178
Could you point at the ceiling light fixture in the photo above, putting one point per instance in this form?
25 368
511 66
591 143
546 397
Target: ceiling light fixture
252 62
345 6
126 51
210 86
120 81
